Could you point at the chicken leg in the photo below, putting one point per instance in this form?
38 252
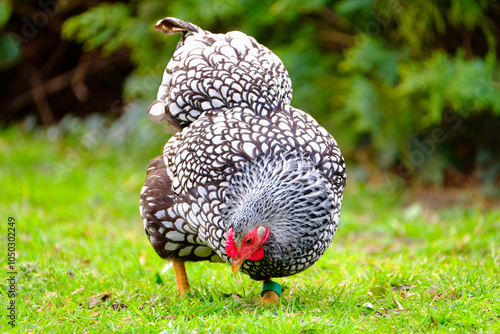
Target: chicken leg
271 292
181 277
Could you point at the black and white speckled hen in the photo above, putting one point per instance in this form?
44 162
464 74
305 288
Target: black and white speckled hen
247 179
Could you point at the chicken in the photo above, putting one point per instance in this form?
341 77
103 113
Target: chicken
247 179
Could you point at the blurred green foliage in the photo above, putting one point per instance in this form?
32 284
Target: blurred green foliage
376 73
10 49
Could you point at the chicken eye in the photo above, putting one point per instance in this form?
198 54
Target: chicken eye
249 241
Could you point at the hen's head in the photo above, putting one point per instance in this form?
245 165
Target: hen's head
276 208
250 247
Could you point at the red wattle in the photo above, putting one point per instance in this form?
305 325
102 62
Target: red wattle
257 255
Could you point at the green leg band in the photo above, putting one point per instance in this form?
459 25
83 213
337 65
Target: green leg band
271 286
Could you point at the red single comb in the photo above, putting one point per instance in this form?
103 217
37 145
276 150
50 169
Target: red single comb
230 246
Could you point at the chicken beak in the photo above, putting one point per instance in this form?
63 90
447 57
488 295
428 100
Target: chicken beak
237 262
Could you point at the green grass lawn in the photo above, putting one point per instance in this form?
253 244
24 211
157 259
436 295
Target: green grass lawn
85 264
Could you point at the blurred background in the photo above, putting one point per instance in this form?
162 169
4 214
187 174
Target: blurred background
410 89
